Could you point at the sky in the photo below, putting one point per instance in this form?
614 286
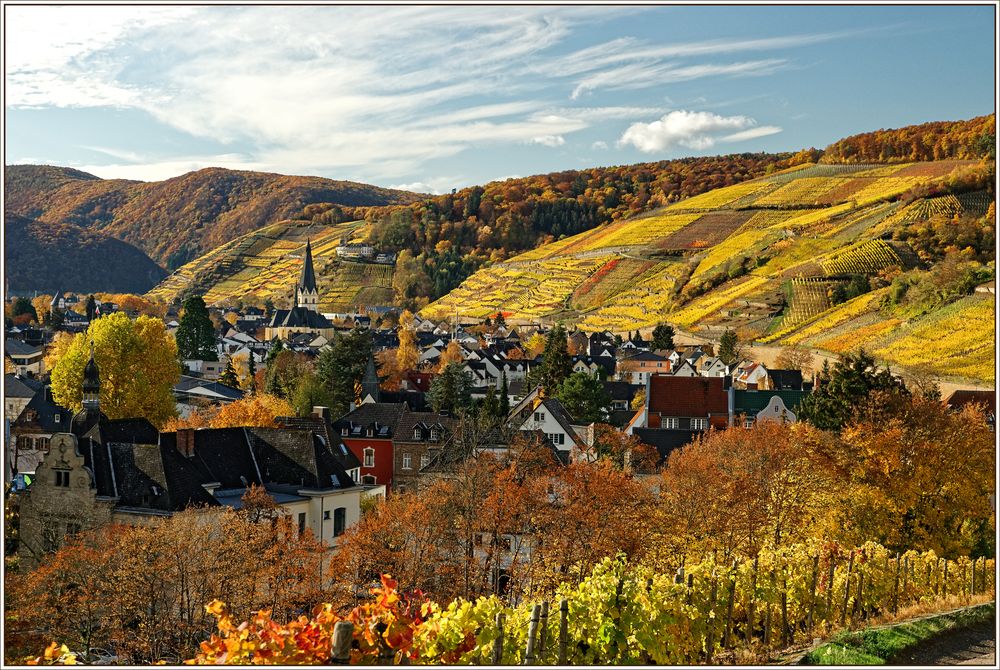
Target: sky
434 98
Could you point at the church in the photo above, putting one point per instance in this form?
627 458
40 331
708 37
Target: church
304 317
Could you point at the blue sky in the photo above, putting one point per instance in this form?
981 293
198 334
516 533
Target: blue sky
433 98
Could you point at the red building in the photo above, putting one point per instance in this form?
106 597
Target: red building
686 403
368 432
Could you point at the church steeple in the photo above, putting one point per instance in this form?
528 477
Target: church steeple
91 383
369 382
306 293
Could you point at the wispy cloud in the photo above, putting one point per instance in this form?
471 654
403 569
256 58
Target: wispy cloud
693 130
549 140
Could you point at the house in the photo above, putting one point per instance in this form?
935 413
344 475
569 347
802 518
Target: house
210 370
748 407
551 418
305 316
419 436
985 400
779 380
639 366
33 428
683 403
355 250
601 365
368 431
621 393
191 392
17 392
103 471
751 376
684 368
28 359
710 366
664 440
73 322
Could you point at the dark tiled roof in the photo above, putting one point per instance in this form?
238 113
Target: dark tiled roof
14 347
411 420
329 439
415 400
647 356
687 396
665 441
375 414
621 390
299 317
45 414
137 431
20 387
960 398
786 379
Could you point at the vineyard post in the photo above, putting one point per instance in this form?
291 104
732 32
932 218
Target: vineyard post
944 580
529 651
543 635
847 589
752 602
895 588
727 638
972 585
965 580
710 635
690 590
767 614
563 630
906 572
812 593
343 633
498 643
928 580
858 610
786 630
829 590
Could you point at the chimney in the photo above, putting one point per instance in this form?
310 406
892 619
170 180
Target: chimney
321 412
185 442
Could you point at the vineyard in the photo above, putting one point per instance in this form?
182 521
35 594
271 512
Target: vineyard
809 298
706 230
828 320
623 614
863 258
643 304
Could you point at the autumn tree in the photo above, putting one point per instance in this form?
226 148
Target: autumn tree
196 333
229 376
793 358
22 307
257 410
406 355
138 368
451 354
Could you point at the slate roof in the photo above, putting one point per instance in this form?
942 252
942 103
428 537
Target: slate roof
665 441
411 420
960 398
785 379
621 390
189 385
45 413
752 402
379 415
307 278
14 347
323 430
415 400
687 396
299 317
20 387
649 356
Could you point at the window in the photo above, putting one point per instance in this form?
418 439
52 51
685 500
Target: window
699 424
424 460
62 478
302 522
748 422
371 431
407 462
539 416
416 433
339 521
369 480
326 515
557 438
435 435
344 430
670 422
369 457
56 418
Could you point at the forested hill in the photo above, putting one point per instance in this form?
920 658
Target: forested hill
935 141
183 217
49 257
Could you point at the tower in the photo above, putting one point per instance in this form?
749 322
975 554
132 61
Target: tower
369 382
91 384
306 293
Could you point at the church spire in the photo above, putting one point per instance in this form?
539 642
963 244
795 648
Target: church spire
369 382
91 383
306 293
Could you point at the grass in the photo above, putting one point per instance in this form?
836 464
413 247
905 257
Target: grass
878 646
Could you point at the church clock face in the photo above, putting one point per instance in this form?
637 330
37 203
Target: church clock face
62 444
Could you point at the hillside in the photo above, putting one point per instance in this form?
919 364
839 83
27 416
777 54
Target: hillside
49 257
779 258
265 264
178 219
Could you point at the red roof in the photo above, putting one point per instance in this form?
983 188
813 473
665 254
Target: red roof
960 398
687 396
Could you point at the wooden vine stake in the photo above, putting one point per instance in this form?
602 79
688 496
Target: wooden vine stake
767 615
529 651
563 629
752 602
786 629
543 633
895 588
829 590
710 636
498 643
858 610
727 636
847 589
944 581
812 593
343 634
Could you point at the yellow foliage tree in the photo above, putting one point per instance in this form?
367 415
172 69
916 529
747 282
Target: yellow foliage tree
451 354
57 349
257 410
138 368
41 303
535 345
406 355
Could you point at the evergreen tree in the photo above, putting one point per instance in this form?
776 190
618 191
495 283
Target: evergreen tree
451 390
196 334
585 398
729 348
21 306
557 364
341 365
489 410
252 374
229 377
663 336
91 307
844 390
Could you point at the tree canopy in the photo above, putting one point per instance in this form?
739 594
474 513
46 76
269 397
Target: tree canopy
195 333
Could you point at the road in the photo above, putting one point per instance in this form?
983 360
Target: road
975 645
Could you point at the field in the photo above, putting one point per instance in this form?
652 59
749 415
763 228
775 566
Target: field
266 264
706 230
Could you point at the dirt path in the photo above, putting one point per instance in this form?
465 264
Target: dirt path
975 645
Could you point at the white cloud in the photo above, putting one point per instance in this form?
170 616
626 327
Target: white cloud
693 130
599 145
549 140
643 75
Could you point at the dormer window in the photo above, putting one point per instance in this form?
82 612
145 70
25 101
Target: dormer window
371 431
435 435
416 434
344 431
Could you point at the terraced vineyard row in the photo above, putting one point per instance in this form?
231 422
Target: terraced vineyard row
863 258
645 304
809 298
